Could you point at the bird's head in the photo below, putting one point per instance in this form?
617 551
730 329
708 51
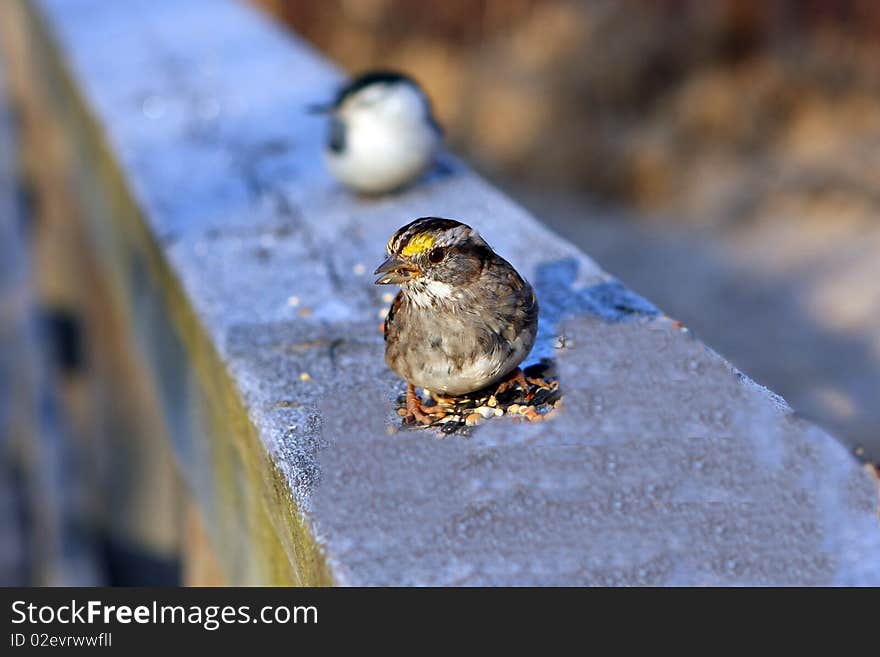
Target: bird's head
380 96
434 256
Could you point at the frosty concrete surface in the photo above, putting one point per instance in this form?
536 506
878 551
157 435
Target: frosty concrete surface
666 465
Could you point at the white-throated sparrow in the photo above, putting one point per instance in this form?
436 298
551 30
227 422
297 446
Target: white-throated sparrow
382 133
464 319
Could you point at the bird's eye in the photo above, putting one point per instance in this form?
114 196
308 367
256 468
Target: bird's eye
436 255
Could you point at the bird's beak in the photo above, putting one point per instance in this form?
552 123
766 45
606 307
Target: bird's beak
395 271
318 108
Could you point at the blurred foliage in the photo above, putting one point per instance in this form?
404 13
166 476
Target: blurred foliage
667 104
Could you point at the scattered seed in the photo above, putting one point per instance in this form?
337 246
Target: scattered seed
458 414
541 396
305 376
562 342
473 419
293 302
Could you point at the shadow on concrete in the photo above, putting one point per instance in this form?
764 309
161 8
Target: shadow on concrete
560 299
757 319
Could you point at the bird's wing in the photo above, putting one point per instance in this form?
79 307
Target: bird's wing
389 318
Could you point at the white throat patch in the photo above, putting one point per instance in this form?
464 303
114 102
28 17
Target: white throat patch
431 293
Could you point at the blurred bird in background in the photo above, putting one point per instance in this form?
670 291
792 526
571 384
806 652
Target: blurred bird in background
382 133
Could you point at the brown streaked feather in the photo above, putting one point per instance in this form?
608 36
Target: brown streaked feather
389 317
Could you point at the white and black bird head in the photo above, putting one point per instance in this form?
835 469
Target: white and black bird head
382 133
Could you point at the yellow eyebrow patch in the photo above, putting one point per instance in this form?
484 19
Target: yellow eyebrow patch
418 244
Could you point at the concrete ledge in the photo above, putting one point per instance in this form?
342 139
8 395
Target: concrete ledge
240 265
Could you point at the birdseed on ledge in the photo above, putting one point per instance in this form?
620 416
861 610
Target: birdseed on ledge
457 415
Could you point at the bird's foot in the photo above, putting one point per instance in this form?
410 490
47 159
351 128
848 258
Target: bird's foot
416 412
518 378
440 400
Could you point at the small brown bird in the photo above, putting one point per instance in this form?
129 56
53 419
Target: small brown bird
464 319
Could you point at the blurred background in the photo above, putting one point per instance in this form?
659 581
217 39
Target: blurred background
720 157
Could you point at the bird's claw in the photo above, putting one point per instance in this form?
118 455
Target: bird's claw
518 378
416 412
